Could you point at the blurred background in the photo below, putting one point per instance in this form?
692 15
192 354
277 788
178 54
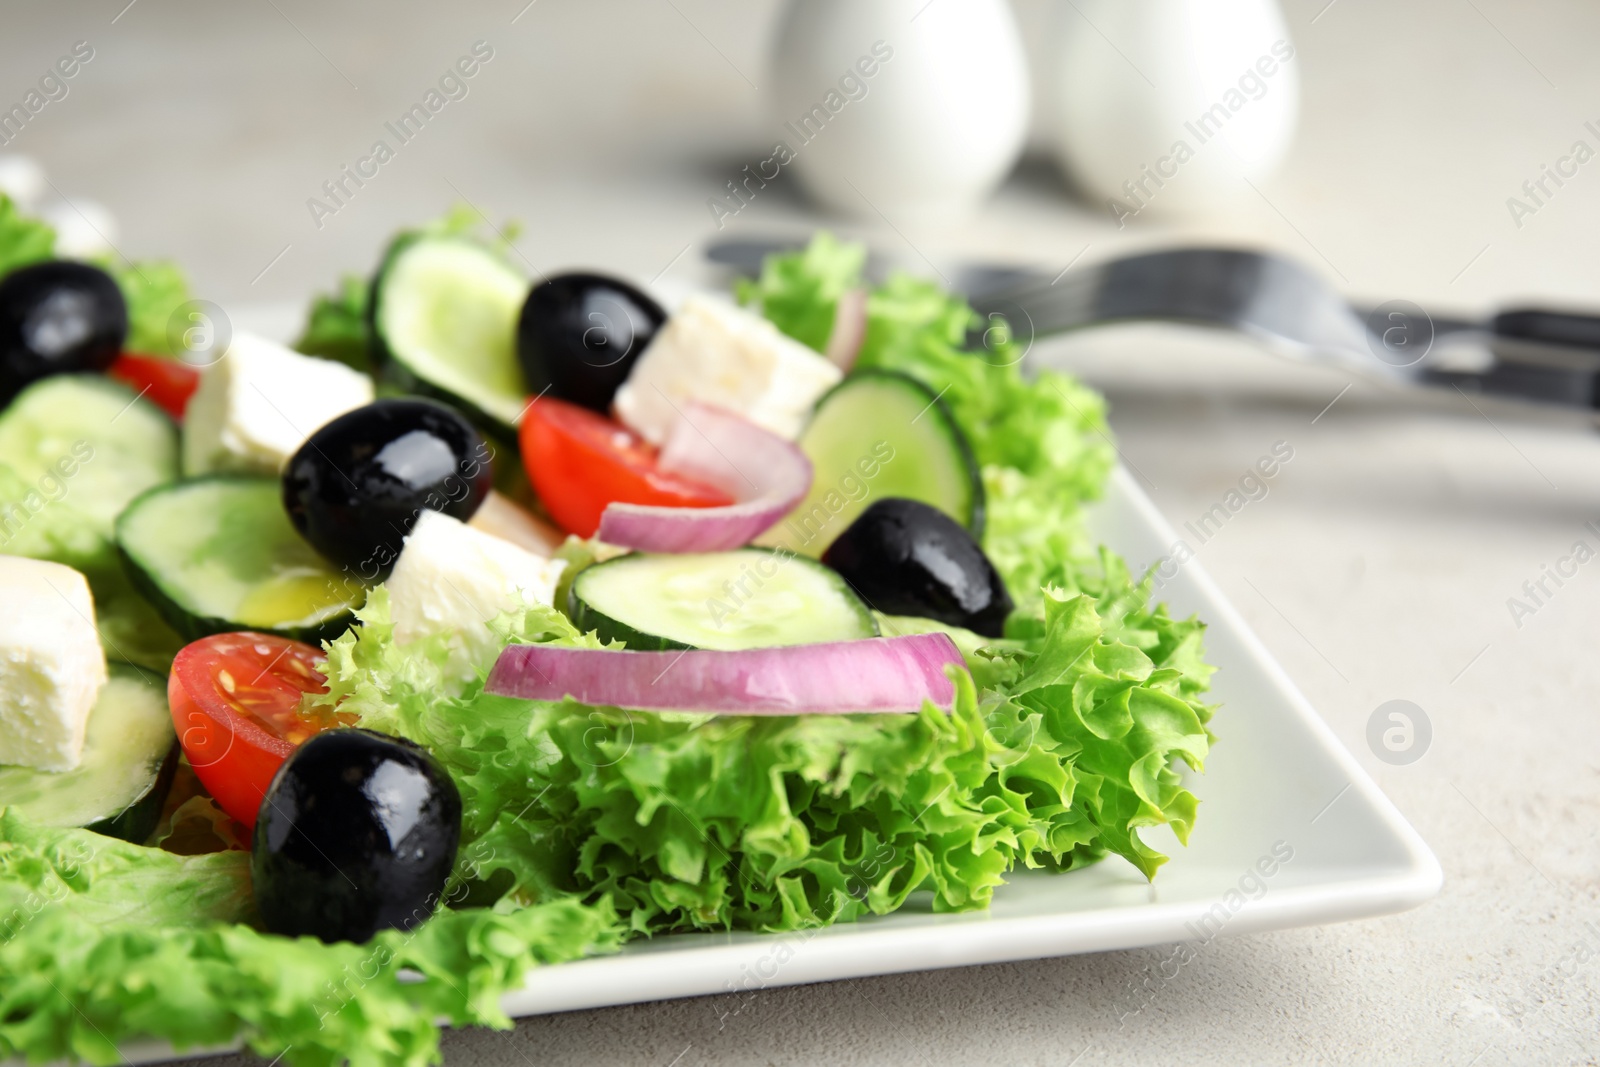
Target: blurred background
1401 151
604 127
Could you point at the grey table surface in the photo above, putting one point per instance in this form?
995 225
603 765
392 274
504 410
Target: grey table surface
1379 567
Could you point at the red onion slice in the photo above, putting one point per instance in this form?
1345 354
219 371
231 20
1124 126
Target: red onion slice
879 674
849 329
766 476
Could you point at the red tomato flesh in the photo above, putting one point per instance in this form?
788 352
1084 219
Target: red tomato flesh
580 461
235 702
166 381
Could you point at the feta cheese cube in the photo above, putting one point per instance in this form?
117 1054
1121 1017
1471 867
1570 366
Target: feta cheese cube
257 404
500 516
723 355
453 579
51 663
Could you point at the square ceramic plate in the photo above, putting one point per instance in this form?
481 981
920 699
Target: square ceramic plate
1291 832
1278 784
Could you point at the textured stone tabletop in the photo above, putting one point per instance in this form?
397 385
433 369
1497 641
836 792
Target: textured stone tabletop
1378 567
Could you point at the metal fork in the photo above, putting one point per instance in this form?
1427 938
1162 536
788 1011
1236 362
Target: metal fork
1273 299
1538 355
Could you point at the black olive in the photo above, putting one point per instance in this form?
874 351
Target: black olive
57 318
579 335
357 833
906 558
357 485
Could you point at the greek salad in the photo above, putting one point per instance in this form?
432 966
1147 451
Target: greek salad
500 622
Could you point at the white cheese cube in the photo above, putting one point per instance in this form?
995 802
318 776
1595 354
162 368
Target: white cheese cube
454 579
51 663
722 355
500 516
257 404
84 229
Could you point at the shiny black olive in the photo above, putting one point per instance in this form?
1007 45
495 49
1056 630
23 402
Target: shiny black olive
906 558
57 318
579 335
357 485
357 833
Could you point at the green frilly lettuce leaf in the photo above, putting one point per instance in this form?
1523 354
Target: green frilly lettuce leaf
336 327
154 290
775 823
103 942
799 292
23 239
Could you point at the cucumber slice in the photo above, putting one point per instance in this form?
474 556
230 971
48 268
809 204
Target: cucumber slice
217 553
74 450
880 434
750 598
444 324
129 758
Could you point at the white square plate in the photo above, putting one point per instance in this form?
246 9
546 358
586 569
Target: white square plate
1277 782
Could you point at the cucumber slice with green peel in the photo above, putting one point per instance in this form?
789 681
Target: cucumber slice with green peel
129 757
217 553
749 598
139 820
879 434
74 450
444 324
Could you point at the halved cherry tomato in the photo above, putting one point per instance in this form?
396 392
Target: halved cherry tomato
235 702
169 382
580 461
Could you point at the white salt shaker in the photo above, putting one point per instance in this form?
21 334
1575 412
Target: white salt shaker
1171 106
915 109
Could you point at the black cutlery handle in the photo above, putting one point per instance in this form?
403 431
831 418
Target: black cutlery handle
1546 385
1548 327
